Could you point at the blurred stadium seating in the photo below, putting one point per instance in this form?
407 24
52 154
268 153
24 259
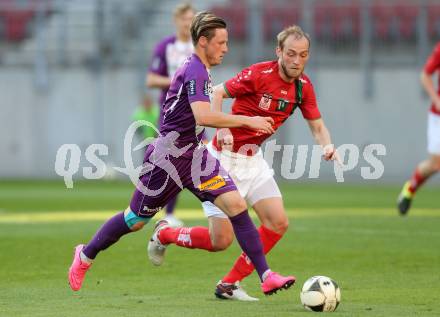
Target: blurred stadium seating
81 64
394 22
433 10
333 23
235 15
337 20
17 18
332 19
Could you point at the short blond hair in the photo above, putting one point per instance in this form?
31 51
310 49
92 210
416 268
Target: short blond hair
204 24
182 8
293 30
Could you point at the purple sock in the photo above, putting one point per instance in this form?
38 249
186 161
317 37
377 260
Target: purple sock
170 205
250 241
110 232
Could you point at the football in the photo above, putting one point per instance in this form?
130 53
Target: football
320 294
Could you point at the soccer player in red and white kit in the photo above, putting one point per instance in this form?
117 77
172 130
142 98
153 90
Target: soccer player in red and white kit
430 166
273 89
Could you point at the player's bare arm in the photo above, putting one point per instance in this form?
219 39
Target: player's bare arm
157 81
219 93
322 137
428 85
205 117
224 136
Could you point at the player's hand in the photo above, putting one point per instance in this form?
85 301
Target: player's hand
261 124
330 154
225 140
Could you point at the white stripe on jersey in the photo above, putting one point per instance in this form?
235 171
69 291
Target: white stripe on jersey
173 105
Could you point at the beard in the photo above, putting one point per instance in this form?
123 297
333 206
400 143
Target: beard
289 73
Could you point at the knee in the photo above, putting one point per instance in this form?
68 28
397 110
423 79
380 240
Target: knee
221 242
436 166
137 226
280 226
237 205
283 226
433 163
134 222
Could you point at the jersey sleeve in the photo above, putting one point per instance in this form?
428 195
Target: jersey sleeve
433 62
158 62
309 107
197 84
241 84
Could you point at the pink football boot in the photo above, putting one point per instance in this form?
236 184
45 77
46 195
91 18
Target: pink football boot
275 282
78 269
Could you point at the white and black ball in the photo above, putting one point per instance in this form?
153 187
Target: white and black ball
320 294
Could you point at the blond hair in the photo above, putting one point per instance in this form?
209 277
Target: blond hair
182 8
204 24
293 30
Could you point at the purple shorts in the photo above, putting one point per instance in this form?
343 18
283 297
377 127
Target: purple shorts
164 176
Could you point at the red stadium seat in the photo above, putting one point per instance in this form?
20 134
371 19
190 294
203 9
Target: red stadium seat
347 21
394 21
236 18
322 21
16 16
336 21
275 18
384 21
407 14
2 28
5 6
434 21
16 24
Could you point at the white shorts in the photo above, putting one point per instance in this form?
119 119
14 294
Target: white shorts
251 174
433 133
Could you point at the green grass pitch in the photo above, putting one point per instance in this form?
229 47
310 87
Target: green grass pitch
386 265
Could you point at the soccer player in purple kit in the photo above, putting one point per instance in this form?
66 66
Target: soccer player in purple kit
168 55
177 160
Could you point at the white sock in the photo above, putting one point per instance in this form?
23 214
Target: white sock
227 283
265 274
84 258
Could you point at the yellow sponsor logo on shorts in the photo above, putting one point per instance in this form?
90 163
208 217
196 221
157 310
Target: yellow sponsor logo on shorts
214 183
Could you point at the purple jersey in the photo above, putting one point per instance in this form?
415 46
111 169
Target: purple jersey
177 159
191 83
168 56
165 176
